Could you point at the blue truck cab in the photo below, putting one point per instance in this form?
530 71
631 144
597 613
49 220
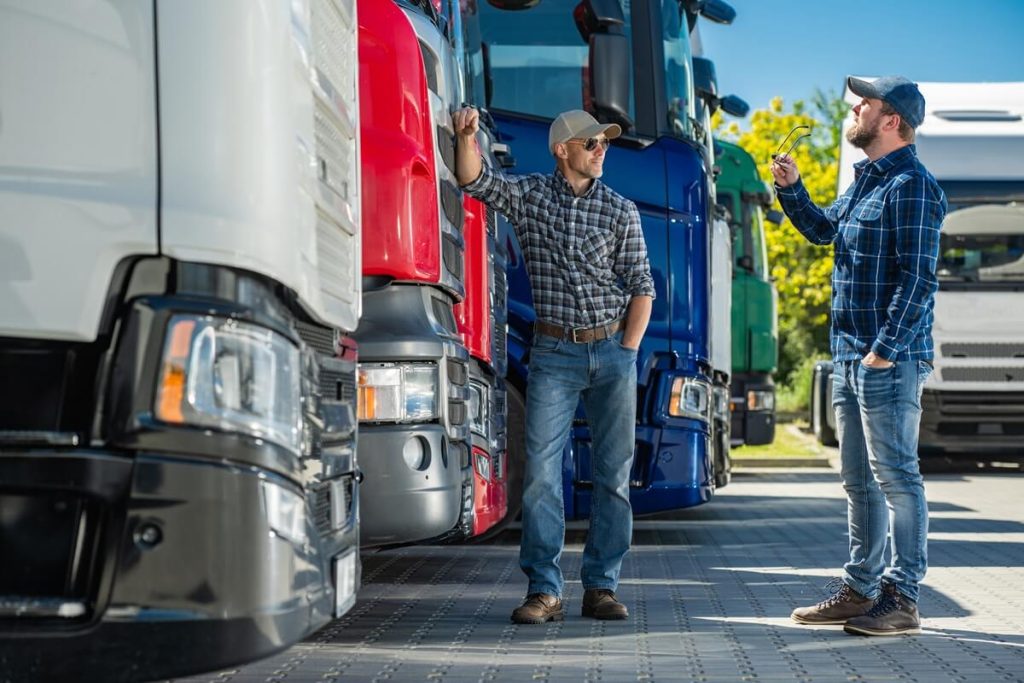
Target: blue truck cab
629 65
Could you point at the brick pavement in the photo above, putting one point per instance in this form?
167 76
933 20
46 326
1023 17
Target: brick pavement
710 592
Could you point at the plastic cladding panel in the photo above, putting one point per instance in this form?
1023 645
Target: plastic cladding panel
400 196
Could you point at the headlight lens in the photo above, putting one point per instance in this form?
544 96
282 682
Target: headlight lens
722 403
760 400
690 397
478 407
397 392
232 376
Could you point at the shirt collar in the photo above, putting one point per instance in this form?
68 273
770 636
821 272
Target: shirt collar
889 161
564 185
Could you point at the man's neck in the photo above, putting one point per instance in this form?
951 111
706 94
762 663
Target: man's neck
881 148
579 183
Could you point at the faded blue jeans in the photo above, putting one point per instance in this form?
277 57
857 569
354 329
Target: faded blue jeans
878 415
603 374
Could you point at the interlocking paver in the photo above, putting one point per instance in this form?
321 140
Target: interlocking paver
709 590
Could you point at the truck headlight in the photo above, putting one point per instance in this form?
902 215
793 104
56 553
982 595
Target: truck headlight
760 400
721 409
690 397
398 392
478 407
232 376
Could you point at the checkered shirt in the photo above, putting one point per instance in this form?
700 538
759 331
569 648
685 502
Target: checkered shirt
586 255
885 230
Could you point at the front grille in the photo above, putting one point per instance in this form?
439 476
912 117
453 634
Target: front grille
492 222
451 203
442 310
982 350
995 375
320 339
499 336
452 255
446 143
322 509
337 386
51 552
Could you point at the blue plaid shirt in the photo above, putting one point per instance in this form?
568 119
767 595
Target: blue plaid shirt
586 255
885 229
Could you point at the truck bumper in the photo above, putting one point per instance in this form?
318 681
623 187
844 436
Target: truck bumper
970 423
124 568
403 503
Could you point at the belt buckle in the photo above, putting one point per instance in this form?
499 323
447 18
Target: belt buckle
572 336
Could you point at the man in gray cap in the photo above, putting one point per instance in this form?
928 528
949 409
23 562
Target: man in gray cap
885 231
592 292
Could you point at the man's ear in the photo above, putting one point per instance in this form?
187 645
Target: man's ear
561 151
894 122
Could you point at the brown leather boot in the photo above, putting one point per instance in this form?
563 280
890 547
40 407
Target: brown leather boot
538 608
600 603
843 604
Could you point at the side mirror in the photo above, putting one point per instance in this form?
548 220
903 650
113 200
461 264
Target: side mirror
600 23
718 11
513 5
735 106
705 81
774 216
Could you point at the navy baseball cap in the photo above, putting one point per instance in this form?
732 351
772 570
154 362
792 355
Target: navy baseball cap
896 91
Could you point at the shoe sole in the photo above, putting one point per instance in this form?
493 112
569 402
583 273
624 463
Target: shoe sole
811 622
861 631
611 617
556 616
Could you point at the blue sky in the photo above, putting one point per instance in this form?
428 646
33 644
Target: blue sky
789 47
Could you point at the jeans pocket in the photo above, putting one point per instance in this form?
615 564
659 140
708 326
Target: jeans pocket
618 342
543 343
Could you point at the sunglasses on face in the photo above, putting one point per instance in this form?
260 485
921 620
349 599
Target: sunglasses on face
800 137
590 144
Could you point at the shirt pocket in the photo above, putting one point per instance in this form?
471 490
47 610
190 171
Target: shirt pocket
864 229
597 245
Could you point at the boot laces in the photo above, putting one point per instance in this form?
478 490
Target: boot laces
888 602
840 592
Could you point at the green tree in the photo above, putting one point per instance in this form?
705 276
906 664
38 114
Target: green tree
802 271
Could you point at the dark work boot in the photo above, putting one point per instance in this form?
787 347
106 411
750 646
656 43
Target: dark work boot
538 608
600 603
893 615
835 609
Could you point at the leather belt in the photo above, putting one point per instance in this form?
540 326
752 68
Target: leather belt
577 335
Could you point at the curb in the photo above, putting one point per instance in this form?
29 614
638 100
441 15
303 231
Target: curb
818 462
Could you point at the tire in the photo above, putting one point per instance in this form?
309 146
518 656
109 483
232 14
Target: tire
821 406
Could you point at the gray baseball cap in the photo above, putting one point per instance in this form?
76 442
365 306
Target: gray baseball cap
579 124
898 92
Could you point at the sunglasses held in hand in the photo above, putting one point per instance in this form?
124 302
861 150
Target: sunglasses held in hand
778 153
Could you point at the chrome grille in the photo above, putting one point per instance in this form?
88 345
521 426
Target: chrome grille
982 350
995 375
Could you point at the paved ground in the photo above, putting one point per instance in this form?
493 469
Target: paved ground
710 590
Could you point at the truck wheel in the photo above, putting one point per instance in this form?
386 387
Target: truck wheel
821 405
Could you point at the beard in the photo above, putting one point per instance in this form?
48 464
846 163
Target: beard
861 136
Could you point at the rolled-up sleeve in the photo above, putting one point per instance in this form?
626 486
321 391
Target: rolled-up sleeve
631 262
500 192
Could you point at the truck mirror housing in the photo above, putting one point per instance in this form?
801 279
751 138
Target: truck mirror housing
705 81
734 106
600 23
513 5
774 216
718 11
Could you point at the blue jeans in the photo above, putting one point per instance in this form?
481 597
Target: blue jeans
878 414
603 374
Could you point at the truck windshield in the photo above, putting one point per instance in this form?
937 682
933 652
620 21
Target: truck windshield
678 75
983 243
538 61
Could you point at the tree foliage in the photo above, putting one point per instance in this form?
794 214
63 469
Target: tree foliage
802 271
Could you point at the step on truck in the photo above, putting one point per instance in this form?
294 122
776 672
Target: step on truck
180 245
972 141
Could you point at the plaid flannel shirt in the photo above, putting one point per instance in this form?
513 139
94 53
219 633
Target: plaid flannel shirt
885 229
586 255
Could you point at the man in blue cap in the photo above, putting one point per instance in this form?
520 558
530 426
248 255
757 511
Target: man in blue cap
885 232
